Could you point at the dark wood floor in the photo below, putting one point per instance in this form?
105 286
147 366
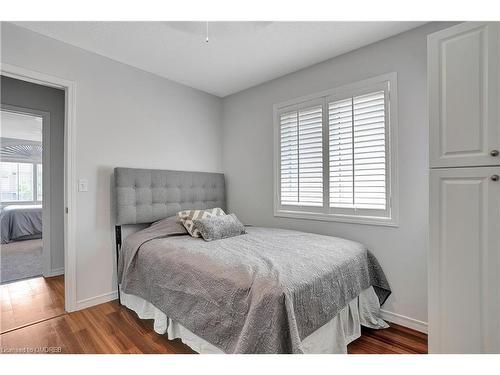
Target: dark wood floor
394 340
111 328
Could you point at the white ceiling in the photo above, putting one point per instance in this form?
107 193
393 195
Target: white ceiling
20 126
238 55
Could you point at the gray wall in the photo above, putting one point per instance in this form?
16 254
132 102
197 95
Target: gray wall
124 117
248 158
47 99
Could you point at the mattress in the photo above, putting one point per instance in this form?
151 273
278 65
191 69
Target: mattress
332 338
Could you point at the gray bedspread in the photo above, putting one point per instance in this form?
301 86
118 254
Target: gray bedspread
261 292
20 222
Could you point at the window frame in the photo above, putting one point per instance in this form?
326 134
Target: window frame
387 82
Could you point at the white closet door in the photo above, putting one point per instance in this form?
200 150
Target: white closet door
464 261
464 85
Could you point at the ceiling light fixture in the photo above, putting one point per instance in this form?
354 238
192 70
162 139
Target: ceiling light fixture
206 39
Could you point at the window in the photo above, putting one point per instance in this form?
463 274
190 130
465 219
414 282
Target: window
301 157
20 182
336 157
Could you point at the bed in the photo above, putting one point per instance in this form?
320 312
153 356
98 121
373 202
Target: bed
20 222
267 291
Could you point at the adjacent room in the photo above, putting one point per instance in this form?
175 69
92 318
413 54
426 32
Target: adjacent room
31 188
21 196
250 187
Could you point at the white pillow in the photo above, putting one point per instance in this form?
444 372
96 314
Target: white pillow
187 218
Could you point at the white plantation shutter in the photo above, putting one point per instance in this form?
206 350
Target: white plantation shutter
341 155
335 154
301 149
289 158
357 129
370 151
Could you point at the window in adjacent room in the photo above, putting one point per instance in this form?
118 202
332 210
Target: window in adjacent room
335 154
20 158
17 182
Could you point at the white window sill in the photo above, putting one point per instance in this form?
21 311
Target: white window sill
22 202
365 220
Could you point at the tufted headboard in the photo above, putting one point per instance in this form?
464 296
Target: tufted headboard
146 195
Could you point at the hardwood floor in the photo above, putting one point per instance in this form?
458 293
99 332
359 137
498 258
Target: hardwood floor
106 328
29 301
111 328
394 340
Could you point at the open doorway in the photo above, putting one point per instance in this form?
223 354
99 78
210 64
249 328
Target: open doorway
31 202
21 195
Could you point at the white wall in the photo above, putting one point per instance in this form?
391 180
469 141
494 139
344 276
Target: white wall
248 159
124 117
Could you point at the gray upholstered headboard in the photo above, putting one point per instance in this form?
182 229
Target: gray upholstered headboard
146 195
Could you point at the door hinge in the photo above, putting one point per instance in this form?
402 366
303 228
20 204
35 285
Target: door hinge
66 209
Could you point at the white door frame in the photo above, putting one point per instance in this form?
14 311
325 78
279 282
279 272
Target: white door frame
47 259
69 88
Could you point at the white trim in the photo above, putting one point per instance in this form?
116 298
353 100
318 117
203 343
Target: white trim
97 300
404 321
69 170
338 91
325 213
320 216
54 272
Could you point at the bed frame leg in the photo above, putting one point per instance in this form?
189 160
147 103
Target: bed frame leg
118 236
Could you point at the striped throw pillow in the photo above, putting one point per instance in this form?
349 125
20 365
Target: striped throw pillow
187 218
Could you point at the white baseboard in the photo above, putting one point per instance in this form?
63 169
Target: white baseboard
55 272
97 300
404 321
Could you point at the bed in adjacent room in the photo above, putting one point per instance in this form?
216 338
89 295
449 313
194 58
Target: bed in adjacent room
20 222
263 291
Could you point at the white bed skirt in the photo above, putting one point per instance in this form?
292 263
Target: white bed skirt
331 338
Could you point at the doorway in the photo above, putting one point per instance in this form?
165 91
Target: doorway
32 202
21 194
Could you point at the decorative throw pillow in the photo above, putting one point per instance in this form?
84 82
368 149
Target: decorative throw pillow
218 227
188 216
